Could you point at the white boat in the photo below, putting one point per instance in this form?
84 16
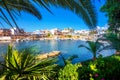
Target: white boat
17 40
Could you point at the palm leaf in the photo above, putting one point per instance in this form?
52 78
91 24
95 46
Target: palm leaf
24 5
19 5
24 66
84 47
3 77
2 24
26 60
90 11
16 64
64 60
39 2
42 64
84 9
95 47
7 67
105 48
5 18
14 14
68 60
7 9
113 40
72 57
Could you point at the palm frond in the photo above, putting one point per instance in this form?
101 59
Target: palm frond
19 5
24 5
90 11
64 60
105 48
84 47
27 60
16 12
72 57
5 18
2 24
69 59
113 40
7 9
93 46
39 2
24 66
84 9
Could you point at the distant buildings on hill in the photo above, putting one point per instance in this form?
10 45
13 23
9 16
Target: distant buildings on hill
10 32
67 32
5 32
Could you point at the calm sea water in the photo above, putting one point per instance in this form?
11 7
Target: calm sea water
67 48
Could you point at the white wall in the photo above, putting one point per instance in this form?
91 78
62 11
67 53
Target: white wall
5 38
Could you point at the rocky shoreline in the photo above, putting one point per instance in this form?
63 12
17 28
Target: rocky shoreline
48 55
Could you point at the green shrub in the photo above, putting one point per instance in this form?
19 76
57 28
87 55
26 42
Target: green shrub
69 72
103 68
24 66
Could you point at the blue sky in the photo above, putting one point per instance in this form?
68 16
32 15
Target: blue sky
61 19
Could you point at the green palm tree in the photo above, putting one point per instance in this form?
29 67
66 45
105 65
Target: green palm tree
14 7
84 9
68 60
23 65
114 41
112 10
94 47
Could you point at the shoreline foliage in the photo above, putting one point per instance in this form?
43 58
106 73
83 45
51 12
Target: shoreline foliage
23 66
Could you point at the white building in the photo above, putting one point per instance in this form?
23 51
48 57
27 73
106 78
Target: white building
81 32
53 31
5 38
37 32
68 31
14 31
101 30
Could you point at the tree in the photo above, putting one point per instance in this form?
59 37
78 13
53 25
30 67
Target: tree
14 7
112 9
84 9
114 41
24 66
68 60
94 47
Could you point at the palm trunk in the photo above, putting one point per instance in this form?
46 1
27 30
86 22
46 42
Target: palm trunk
94 56
117 52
